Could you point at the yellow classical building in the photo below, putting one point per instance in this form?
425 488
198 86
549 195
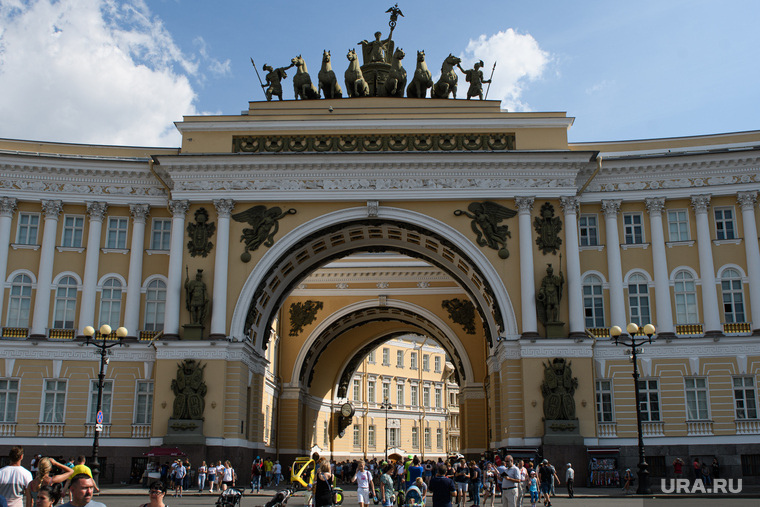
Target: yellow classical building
327 233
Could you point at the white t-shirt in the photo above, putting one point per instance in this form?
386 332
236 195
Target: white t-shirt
362 479
13 481
228 474
277 468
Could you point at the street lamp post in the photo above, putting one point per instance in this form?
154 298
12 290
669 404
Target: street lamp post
386 405
629 340
103 345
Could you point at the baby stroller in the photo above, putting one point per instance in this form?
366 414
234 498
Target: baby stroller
280 499
230 497
413 497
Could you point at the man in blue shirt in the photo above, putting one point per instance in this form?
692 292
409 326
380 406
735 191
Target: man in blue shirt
442 488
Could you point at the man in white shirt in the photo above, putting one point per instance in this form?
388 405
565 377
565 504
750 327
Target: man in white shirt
521 484
509 483
15 479
569 480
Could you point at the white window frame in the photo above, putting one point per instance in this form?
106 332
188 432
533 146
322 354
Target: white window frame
639 309
685 297
143 402
386 356
732 295
426 396
28 228
605 401
357 436
415 395
400 395
593 302
633 228
697 399
371 436
588 234
357 390
745 397
371 391
437 363
412 360
9 391
649 396
65 303
386 391
399 359
394 437
426 362
371 357
58 401
107 401
20 301
155 306
72 231
110 304
116 233
160 234
428 439
725 228
415 437
438 397
678 225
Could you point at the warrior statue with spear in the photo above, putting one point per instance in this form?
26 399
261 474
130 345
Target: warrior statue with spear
274 79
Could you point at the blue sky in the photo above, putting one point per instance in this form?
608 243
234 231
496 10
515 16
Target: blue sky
122 71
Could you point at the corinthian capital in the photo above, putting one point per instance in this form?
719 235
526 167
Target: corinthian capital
700 203
655 205
747 200
97 210
224 207
52 209
570 204
8 206
139 212
611 207
524 204
179 208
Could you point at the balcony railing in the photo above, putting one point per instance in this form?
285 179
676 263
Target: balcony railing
653 429
89 431
15 332
54 430
148 335
689 330
8 429
600 332
737 328
62 334
747 426
141 431
607 429
699 428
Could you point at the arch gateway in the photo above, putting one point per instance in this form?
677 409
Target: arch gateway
462 261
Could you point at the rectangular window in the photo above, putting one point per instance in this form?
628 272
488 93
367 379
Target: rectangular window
143 402
399 359
357 390
394 437
439 438
437 362
386 356
589 234
28 225
326 433
633 229
357 436
371 357
413 360
724 223
426 396
696 399
426 362
73 230
371 442
415 395
604 401
400 395
678 225
54 401
428 440
386 391
745 398
8 400
415 437
438 397
116 236
160 234
371 391
106 401
649 400
638 301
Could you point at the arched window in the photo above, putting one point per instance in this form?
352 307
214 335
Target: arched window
638 299
593 302
65 303
110 303
20 301
155 303
733 296
685 291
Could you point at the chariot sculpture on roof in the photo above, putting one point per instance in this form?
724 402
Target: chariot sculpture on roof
377 56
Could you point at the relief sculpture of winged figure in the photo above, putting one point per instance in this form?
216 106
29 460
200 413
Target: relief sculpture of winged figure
264 225
485 217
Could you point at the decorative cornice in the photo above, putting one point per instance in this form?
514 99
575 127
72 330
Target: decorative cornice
139 212
525 204
570 205
611 207
52 209
178 209
747 200
700 203
655 205
8 206
224 207
97 211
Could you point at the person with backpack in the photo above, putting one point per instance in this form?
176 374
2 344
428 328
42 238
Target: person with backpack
256 475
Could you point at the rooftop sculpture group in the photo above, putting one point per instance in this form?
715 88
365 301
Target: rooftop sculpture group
382 74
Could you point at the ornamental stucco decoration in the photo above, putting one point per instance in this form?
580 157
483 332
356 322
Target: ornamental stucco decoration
264 224
486 217
547 228
302 314
462 312
200 234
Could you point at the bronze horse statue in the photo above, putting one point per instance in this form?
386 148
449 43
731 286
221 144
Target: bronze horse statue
422 79
356 86
447 83
328 83
396 81
302 84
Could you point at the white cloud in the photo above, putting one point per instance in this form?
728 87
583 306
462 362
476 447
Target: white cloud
216 67
599 87
518 59
91 71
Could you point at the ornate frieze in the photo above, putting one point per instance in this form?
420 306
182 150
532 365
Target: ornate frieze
373 143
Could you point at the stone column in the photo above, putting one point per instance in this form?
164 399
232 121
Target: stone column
710 307
96 211
611 208
176 251
570 207
747 201
527 277
219 308
665 325
7 209
51 210
134 282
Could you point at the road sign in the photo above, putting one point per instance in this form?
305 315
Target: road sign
99 417
98 427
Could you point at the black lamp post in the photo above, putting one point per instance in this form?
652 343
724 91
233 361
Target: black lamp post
386 405
629 340
103 345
